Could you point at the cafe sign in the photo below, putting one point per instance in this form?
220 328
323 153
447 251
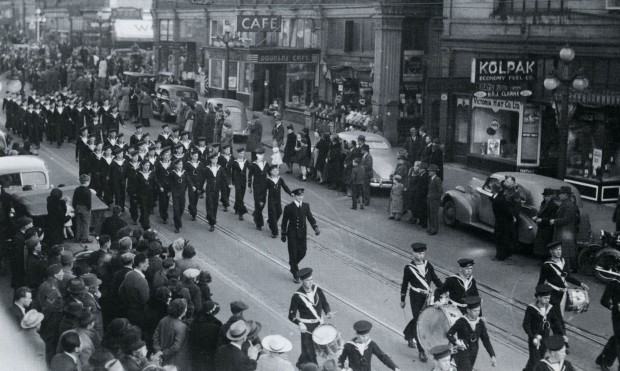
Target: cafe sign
279 58
510 72
258 23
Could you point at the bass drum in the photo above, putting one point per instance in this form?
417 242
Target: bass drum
434 324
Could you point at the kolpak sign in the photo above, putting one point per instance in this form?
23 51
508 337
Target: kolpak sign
509 72
258 23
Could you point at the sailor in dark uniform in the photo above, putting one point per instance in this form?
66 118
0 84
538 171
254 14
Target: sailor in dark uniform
461 285
202 149
178 151
294 228
163 167
145 189
194 169
257 183
239 176
274 199
442 355
118 177
111 138
358 352
554 272
38 125
538 323
133 172
137 136
556 356
105 115
180 182
417 279
466 332
215 178
164 136
306 311
185 141
224 160
611 300
105 169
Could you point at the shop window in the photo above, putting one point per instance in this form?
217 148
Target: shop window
245 74
495 133
298 33
216 73
217 29
461 121
299 85
166 30
232 75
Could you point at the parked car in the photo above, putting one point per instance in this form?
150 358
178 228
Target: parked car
143 80
5 141
167 98
383 157
238 114
473 205
23 171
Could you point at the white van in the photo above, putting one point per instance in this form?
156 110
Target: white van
23 171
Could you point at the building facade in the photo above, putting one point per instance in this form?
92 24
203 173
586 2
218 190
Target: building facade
495 130
344 53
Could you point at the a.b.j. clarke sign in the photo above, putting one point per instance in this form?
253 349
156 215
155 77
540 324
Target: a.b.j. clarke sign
509 72
258 23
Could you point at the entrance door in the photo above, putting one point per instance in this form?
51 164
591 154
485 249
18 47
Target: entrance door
462 122
277 83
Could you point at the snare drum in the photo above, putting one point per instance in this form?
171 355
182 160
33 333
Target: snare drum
327 341
577 300
434 324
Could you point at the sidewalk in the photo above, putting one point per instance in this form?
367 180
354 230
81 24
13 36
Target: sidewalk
600 214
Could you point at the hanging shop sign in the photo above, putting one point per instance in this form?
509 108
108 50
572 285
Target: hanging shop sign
258 23
510 72
529 131
278 58
497 104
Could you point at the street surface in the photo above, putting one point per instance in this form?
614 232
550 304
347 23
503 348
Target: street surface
358 261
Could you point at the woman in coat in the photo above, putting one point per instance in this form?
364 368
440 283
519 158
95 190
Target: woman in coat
146 110
289 149
322 148
56 217
544 234
303 158
124 106
171 338
156 309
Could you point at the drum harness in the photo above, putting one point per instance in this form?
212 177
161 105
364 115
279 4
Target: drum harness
310 303
560 274
466 285
418 275
543 312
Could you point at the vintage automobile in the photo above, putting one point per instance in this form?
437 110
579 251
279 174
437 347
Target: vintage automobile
5 140
23 171
167 98
143 80
238 115
383 157
472 205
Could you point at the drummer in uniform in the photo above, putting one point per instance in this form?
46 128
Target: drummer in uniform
539 320
459 286
556 357
464 334
554 272
307 305
357 354
442 354
417 279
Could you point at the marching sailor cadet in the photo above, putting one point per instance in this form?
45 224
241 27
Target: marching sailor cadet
158 147
185 141
239 177
137 136
556 356
306 311
554 272
215 179
611 300
120 142
133 172
118 177
145 189
224 161
538 322
357 354
111 139
257 184
417 279
164 136
465 334
442 355
179 182
274 201
162 172
194 169
178 151
202 149
459 286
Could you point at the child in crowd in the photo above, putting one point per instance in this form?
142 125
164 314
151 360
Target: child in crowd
396 198
276 157
68 232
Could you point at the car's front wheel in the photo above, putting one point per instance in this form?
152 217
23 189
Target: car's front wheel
449 213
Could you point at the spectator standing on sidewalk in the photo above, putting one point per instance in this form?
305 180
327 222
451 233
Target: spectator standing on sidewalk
278 130
435 190
366 163
255 136
82 205
289 149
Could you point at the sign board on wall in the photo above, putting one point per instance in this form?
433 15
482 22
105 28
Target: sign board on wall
503 71
258 23
529 131
497 104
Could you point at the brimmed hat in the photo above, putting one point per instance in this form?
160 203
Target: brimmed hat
66 258
276 344
548 192
254 327
91 280
238 306
85 317
191 273
74 308
237 330
53 269
31 319
211 307
23 221
76 286
565 189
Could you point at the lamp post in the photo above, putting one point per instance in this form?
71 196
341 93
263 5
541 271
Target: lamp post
227 41
40 18
563 79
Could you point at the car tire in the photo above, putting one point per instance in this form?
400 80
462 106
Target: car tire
586 259
609 261
449 213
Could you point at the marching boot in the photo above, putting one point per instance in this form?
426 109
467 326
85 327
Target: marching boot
422 356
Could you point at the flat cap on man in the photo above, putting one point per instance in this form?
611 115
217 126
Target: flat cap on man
53 269
238 306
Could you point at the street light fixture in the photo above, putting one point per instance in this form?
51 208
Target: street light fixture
563 79
227 41
40 18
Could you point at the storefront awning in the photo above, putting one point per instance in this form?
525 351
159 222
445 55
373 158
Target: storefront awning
597 98
133 30
361 73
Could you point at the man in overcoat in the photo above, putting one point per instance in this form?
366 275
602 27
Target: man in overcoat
565 223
